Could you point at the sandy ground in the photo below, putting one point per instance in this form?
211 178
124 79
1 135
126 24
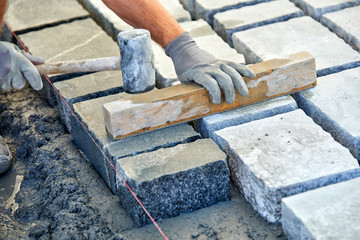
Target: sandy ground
60 195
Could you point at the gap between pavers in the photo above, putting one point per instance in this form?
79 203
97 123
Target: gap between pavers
283 155
90 113
208 125
295 35
330 212
23 14
172 181
206 9
236 20
334 105
345 24
316 8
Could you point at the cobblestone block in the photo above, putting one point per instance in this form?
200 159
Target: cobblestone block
283 155
316 8
345 24
190 6
330 212
23 14
172 181
208 125
295 35
112 24
236 20
77 40
206 39
206 9
90 114
333 104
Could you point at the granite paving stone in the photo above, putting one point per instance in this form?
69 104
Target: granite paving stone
345 24
90 113
296 35
206 9
334 105
316 8
330 212
208 125
228 22
172 181
283 155
206 38
190 6
23 14
81 39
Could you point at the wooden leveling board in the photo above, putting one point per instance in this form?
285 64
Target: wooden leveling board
185 102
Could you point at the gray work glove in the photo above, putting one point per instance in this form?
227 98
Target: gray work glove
16 67
194 64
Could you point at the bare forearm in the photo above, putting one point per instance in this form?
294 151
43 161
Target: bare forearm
150 15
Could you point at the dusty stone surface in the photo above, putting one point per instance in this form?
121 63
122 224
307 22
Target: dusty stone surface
63 43
190 6
280 156
316 8
206 9
228 22
174 180
330 212
208 125
332 105
91 114
262 44
20 18
176 10
345 24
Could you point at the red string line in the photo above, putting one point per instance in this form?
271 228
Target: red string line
107 159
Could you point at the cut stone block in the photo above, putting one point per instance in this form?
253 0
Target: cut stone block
172 181
297 34
112 24
330 212
280 156
333 104
206 39
236 20
208 125
90 113
206 9
24 14
345 24
77 40
316 8
190 6
84 88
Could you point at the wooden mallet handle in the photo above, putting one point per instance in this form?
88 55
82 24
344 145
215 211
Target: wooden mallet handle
88 65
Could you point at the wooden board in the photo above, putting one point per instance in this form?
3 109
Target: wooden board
185 102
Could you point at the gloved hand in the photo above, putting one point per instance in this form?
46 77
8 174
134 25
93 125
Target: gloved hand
16 67
194 64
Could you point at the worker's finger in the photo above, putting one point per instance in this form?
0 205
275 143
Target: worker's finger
204 80
225 83
236 78
5 85
242 69
17 80
30 73
34 59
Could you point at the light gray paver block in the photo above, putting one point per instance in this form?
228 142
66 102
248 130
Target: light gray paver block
280 156
330 212
345 24
190 6
172 181
316 8
77 40
206 9
296 35
24 14
334 105
90 113
226 23
112 24
206 39
208 125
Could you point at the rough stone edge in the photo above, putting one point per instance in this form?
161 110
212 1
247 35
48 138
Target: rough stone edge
329 125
